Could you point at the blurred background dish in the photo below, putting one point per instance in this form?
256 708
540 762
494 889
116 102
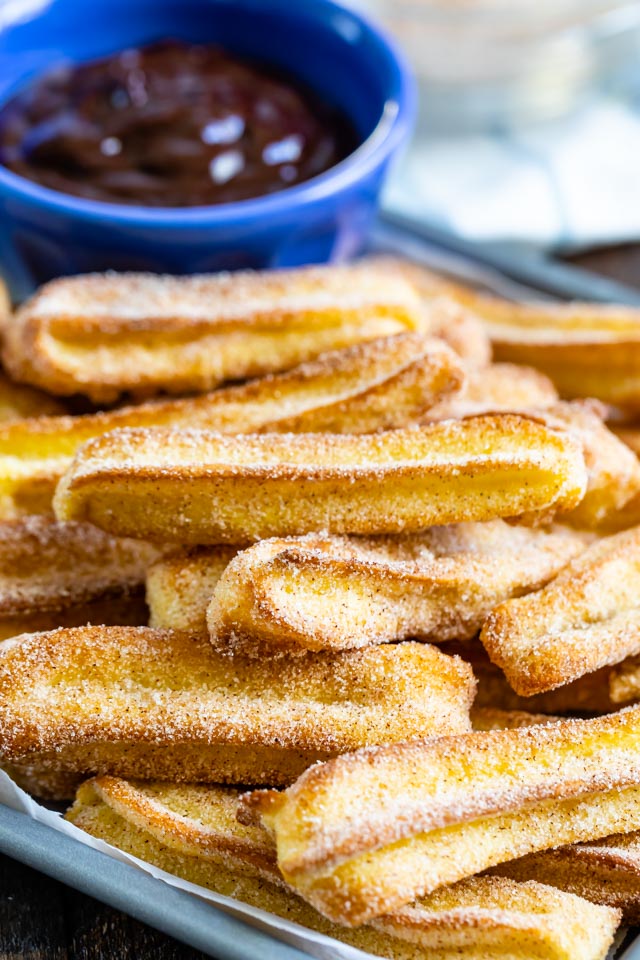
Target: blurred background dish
347 62
529 122
488 62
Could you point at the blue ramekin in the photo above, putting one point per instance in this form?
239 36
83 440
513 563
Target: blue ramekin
44 233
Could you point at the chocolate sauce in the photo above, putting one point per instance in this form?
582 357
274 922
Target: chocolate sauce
171 125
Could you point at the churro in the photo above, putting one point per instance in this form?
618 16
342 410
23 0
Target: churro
54 574
603 871
18 402
493 718
288 595
180 587
361 835
161 705
461 330
372 386
624 681
103 335
198 487
587 349
586 618
190 831
613 469
591 694
447 307
496 387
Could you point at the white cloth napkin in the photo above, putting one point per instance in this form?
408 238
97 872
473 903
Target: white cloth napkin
566 185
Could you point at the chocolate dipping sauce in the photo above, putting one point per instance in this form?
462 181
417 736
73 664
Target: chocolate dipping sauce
171 125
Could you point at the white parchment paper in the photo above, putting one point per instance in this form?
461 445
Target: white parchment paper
315 944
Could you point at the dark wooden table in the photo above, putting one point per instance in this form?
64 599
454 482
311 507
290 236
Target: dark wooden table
41 919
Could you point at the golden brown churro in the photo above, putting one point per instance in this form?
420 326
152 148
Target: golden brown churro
613 470
499 386
493 718
190 831
461 330
195 487
170 708
603 871
446 304
288 595
362 835
54 574
180 587
591 694
624 681
586 618
106 334
372 386
588 350
18 401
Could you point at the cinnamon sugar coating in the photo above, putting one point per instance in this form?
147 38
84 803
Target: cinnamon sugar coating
588 350
180 587
190 832
312 593
372 386
194 487
18 402
68 574
604 871
591 694
49 566
102 335
162 705
448 306
363 834
494 718
613 470
498 386
586 618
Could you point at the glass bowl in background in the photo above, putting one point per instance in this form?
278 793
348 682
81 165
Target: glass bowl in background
486 64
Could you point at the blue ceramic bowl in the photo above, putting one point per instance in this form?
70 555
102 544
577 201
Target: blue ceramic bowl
44 233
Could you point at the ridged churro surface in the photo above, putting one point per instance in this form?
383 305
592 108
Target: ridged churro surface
586 618
292 594
161 705
603 871
189 832
372 386
106 334
194 487
180 587
588 350
363 834
18 401
47 566
591 694
498 386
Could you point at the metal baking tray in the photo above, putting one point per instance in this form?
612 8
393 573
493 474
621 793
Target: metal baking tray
175 912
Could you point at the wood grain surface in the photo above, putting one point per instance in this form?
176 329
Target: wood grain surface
41 919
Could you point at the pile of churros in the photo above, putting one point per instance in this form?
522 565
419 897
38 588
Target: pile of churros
321 589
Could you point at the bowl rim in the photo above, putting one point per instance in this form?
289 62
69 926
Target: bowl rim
393 126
